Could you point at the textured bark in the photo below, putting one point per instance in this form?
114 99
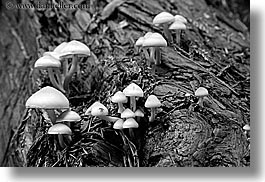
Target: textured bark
213 53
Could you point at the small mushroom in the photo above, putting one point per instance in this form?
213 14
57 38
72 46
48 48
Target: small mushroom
246 129
60 130
52 65
127 113
177 26
70 117
139 113
119 98
130 123
155 41
132 91
48 98
200 93
118 125
164 19
152 102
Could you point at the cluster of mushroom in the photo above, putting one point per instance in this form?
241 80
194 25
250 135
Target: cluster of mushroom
57 60
128 117
56 105
170 22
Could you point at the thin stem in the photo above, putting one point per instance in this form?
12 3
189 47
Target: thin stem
200 101
69 75
178 36
133 103
157 56
61 141
152 117
65 68
152 55
53 80
167 33
120 107
51 115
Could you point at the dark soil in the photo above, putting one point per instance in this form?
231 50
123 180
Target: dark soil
214 53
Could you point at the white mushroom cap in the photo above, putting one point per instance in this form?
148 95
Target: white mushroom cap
95 104
127 113
246 127
119 97
59 128
152 101
99 111
130 123
201 92
47 61
140 41
68 115
133 90
118 124
75 47
155 40
60 47
139 113
180 18
163 17
47 98
147 34
177 25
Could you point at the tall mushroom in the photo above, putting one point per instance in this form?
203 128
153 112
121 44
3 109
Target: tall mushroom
75 49
132 91
48 98
152 102
53 65
119 98
164 19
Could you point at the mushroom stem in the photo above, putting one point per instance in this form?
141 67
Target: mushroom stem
167 33
152 55
178 32
65 67
157 56
152 117
51 115
132 103
70 73
131 133
146 54
53 80
120 107
200 101
61 141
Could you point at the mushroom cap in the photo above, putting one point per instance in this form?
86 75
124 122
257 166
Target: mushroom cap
152 101
119 97
47 61
201 92
47 98
68 115
155 40
133 90
177 25
147 34
127 113
75 47
139 113
163 17
246 127
140 41
118 125
180 18
56 55
130 123
99 111
95 104
60 47
59 128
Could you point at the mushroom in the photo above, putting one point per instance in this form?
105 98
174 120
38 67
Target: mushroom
200 93
127 113
52 65
155 41
246 129
177 26
139 113
132 91
99 110
130 123
165 19
48 98
60 130
69 117
73 48
152 102
118 125
57 51
119 98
